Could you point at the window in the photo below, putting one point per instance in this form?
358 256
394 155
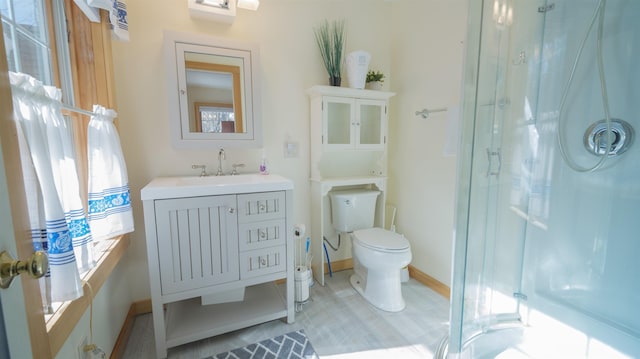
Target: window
213 117
26 38
35 39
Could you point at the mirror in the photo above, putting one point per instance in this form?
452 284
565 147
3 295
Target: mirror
213 92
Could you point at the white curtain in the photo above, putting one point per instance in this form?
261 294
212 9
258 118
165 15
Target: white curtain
51 181
109 209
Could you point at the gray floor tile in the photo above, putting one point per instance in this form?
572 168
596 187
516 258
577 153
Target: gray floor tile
339 323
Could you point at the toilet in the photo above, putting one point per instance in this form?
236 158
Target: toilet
379 255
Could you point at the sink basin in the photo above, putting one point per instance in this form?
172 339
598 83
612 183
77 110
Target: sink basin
179 187
217 180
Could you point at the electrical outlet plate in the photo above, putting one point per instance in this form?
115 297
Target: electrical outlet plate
81 353
290 149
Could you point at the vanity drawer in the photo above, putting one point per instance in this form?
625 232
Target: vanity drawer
262 261
256 235
264 206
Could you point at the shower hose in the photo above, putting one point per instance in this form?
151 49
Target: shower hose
597 15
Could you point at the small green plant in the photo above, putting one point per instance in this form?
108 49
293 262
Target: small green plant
373 76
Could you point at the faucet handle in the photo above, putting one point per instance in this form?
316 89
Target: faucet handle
235 168
203 173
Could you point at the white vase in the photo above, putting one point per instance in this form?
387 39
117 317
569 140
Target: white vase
357 66
374 85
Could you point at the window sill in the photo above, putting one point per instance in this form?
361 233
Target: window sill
63 321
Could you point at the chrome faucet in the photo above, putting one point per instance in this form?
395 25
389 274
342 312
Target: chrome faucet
235 168
221 156
203 173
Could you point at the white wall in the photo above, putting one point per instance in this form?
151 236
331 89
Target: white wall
110 307
416 43
427 53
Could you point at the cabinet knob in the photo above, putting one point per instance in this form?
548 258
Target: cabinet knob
262 207
232 210
263 261
262 234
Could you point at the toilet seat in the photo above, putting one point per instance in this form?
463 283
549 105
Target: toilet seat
381 240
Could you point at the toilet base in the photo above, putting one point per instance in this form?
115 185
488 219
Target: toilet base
385 294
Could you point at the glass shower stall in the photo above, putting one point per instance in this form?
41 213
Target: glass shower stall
547 237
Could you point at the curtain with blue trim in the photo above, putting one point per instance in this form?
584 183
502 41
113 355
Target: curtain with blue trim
109 208
59 225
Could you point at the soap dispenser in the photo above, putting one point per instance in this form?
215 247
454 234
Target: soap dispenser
263 164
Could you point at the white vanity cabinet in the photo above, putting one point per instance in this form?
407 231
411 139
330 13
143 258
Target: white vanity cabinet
215 250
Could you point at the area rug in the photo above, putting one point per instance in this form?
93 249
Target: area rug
294 345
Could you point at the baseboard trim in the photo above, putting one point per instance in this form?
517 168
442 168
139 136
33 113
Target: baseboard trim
430 282
136 308
142 306
340 265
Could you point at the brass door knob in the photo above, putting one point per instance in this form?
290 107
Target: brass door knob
36 267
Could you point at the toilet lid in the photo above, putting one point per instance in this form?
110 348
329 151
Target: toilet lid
379 238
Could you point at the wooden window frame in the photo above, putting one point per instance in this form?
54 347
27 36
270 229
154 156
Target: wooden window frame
93 83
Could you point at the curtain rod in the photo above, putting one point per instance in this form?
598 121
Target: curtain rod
78 110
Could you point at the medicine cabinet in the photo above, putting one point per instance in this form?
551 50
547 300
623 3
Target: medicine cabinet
213 92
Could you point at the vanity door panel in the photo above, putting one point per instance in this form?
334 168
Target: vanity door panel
197 242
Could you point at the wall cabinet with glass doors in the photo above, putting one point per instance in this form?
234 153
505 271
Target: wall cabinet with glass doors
348 129
353 123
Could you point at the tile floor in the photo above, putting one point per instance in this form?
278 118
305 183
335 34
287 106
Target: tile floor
339 323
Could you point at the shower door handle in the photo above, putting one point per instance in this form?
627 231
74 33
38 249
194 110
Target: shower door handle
490 155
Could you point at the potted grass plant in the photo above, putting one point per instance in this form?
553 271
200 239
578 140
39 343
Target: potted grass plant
330 37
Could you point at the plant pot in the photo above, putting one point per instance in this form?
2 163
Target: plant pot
335 80
374 85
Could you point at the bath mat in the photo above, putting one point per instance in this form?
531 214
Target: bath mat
292 345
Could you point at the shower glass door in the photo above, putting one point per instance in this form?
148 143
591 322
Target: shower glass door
489 251
546 257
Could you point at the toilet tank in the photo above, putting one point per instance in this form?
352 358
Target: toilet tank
353 209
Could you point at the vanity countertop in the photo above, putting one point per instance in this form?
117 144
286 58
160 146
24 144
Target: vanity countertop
180 187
